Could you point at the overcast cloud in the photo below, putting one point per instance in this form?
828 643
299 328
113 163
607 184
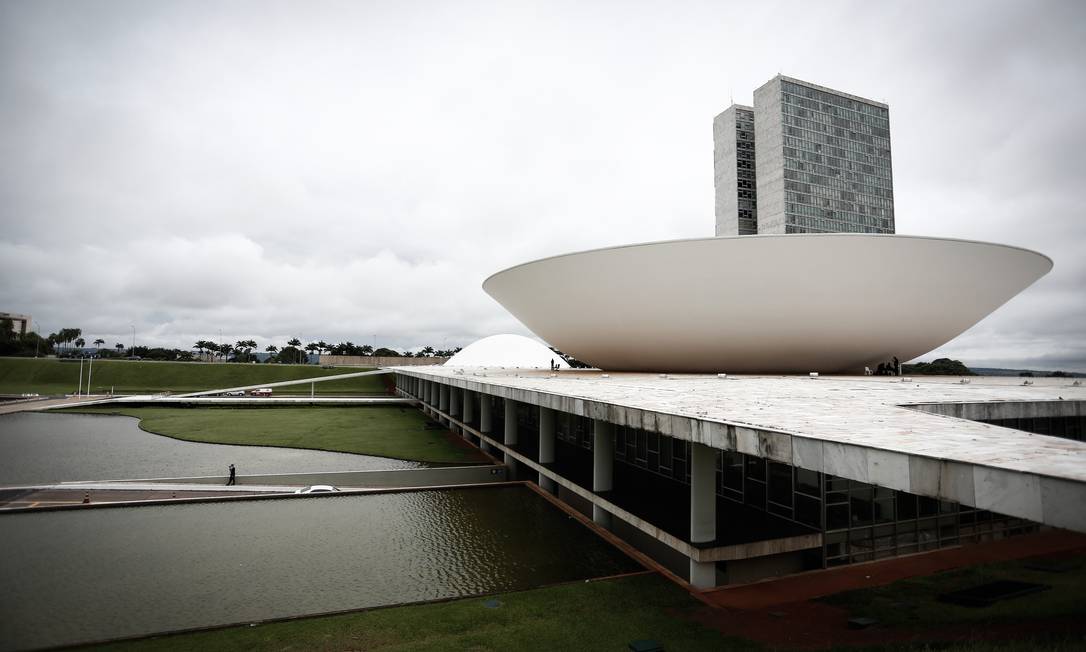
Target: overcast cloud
351 170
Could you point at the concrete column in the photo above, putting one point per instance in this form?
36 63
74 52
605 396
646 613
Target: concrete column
443 397
454 401
484 419
702 510
702 493
702 574
510 422
603 466
469 406
546 447
510 435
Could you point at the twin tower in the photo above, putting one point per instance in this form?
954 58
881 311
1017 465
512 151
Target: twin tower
804 159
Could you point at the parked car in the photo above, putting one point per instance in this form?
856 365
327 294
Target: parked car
236 392
263 391
317 489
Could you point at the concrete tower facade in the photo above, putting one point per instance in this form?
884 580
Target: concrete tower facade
822 163
734 171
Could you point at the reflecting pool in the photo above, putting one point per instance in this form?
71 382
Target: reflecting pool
88 575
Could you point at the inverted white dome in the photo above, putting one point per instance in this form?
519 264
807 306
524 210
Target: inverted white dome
831 302
510 351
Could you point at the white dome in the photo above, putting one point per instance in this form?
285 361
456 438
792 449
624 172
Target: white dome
511 351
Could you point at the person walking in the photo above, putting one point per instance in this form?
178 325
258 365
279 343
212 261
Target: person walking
233 476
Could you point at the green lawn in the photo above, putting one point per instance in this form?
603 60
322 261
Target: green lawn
388 431
52 376
915 601
604 615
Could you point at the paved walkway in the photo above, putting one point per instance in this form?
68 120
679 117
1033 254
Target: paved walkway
74 493
44 403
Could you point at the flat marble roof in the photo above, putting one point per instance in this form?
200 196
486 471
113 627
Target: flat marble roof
829 419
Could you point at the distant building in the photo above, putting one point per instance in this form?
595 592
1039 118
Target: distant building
21 323
822 163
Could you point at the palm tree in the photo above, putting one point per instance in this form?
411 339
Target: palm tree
311 347
272 348
294 341
79 342
120 348
212 348
322 346
98 345
225 350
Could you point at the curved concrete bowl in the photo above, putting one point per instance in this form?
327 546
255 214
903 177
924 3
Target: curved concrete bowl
832 303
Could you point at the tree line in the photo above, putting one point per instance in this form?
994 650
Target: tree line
69 342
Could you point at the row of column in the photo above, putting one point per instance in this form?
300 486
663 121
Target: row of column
457 402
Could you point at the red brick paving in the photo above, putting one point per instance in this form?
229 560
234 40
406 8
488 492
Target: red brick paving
783 613
806 586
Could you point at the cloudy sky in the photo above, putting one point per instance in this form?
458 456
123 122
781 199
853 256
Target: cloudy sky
354 170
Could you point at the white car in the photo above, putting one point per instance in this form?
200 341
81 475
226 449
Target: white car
237 392
317 489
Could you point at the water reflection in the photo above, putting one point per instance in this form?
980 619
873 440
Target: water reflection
139 570
49 448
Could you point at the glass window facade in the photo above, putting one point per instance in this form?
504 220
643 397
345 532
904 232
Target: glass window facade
837 165
860 521
746 186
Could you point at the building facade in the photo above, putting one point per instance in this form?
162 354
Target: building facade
719 503
822 163
734 171
19 323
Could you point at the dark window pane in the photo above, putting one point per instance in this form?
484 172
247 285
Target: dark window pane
755 467
836 517
807 511
755 494
807 482
780 483
862 508
906 505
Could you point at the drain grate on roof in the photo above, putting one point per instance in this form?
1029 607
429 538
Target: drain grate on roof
988 594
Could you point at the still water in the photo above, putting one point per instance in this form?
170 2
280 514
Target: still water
93 574
49 448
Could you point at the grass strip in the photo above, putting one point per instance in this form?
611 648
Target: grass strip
603 615
386 431
53 376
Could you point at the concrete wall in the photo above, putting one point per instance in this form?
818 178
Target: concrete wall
769 157
449 475
725 175
749 570
1005 409
370 361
